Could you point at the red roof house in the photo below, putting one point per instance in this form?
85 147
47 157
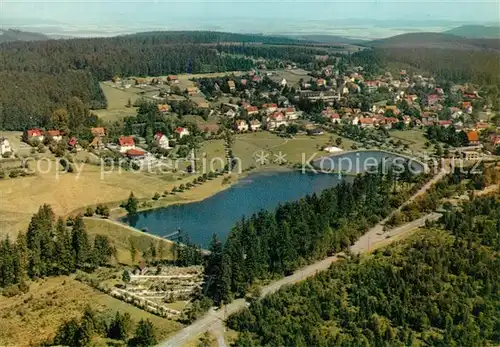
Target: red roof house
473 137
34 133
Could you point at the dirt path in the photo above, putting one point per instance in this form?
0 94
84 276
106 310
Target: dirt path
364 244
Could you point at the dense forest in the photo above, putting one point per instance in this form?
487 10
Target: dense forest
440 288
458 66
269 244
41 76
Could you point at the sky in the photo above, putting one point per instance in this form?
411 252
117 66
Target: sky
242 15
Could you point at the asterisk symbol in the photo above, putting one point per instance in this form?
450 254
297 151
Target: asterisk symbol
280 158
261 157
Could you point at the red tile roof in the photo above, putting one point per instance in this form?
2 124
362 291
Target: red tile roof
34 132
54 133
366 120
72 141
473 136
135 152
179 130
126 141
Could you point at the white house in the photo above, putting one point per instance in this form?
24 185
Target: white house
35 135
161 140
275 120
126 143
55 135
241 125
4 146
283 82
255 125
181 132
291 113
230 114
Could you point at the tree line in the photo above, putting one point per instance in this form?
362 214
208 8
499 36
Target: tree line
82 332
454 65
269 244
42 76
50 248
440 288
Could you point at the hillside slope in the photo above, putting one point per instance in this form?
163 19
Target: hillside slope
476 31
436 40
9 35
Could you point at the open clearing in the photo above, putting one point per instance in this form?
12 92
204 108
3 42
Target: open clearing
122 237
21 197
34 317
248 146
117 101
413 138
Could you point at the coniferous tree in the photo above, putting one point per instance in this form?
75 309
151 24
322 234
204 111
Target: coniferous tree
102 250
131 205
144 334
63 248
120 326
80 243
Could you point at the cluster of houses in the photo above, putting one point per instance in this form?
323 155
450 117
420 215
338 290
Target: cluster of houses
126 144
252 118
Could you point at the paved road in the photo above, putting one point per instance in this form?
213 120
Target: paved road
364 244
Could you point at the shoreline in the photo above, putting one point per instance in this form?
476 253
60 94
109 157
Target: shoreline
198 196
405 156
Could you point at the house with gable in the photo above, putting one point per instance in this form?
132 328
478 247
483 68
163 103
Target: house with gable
241 125
181 132
55 135
161 140
255 125
34 135
5 146
275 120
126 143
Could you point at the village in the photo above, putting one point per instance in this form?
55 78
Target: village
309 103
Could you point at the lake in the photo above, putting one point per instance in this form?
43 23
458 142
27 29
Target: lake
220 212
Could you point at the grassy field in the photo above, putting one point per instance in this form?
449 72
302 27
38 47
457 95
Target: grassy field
21 197
34 317
248 146
122 237
414 138
292 76
117 101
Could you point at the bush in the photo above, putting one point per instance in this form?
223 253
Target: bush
2 174
89 212
14 173
157 196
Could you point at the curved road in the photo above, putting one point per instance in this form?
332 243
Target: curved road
364 244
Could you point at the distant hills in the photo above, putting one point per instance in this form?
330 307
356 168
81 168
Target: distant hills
436 40
9 35
476 31
328 39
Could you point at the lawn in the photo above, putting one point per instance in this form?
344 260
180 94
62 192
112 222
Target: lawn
248 146
117 101
21 197
414 138
31 318
122 237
